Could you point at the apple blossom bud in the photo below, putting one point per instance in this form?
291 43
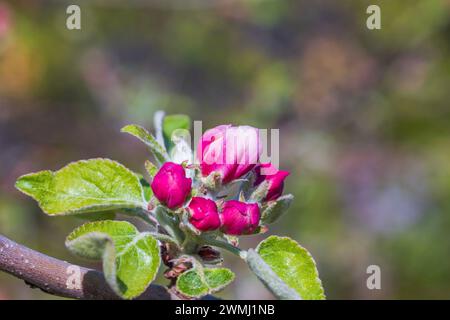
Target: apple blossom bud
275 181
239 217
230 151
203 214
170 185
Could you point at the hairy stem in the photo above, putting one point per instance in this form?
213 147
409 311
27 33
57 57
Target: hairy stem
164 238
169 224
143 214
225 245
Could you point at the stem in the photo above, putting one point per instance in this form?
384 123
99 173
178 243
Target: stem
168 223
148 218
151 220
225 245
143 214
164 238
190 245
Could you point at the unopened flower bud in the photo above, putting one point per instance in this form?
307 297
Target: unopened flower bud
203 214
170 185
230 151
239 218
275 181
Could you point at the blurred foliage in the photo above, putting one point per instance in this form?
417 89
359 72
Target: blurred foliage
364 118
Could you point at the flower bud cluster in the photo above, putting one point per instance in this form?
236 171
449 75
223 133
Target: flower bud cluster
229 153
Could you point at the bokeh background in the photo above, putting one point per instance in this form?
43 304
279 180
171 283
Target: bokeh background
364 119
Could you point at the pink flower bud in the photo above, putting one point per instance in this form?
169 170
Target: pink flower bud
231 151
203 214
170 185
239 217
275 180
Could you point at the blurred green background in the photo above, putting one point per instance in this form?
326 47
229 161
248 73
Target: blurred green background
364 119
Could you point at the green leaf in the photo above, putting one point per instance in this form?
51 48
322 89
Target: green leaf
286 268
84 186
270 279
191 284
150 168
158 151
219 278
261 192
148 192
172 123
275 209
130 259
195 283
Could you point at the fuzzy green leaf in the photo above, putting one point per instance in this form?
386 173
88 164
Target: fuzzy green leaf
146 137
130 259
148 192
275 209
194 283
191 284
270 279
260 192
150 168
84 186
286 268
219 278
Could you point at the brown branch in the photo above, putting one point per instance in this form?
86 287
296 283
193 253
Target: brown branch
52 275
